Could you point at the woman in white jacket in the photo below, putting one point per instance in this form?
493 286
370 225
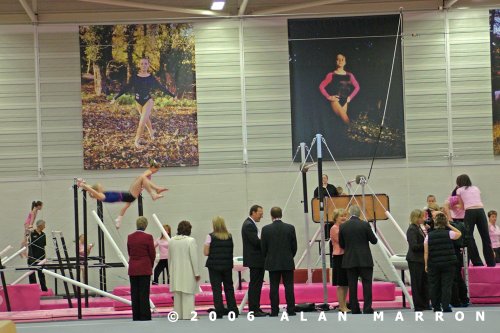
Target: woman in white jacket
184 270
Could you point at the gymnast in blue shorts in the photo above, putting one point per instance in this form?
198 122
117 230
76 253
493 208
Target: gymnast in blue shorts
142 182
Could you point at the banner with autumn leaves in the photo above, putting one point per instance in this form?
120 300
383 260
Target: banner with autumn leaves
112 56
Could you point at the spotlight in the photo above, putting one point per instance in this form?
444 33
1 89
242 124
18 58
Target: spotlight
218 5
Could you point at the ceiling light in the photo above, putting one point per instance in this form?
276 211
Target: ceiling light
218 5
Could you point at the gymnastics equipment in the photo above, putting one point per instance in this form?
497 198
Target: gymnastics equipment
319 155
110 239
115 247
376 206
5 250
101 248
25 275
465 266
21 250
4 286
77 245
87 287
304 168
61 266
484 284
103 265
163 231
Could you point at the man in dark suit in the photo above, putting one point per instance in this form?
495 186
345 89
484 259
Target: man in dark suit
354 237
142 254
279 246
253 259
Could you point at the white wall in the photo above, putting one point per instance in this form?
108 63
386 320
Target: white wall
438 122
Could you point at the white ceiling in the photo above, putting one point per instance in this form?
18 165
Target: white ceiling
94 11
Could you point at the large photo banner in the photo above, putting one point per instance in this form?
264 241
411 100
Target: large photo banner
138 88
339 78
495 75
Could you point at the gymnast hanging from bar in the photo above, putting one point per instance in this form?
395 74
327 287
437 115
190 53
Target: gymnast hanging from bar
142 182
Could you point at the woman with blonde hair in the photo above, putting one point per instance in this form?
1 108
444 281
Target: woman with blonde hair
219 250
339 274
415 256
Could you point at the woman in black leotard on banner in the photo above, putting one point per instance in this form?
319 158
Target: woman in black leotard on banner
143 83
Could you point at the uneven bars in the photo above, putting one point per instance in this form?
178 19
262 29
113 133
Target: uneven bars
28 273
14 255
163 231
115 246
5 250
87 287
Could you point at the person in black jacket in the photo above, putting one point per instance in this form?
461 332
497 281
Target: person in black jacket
279 246
459 290
355 237
415 257
441 261
329 190
253 259
36 252
219 249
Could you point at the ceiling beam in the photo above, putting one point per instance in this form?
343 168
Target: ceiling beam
305 5
139 5
28 10
243 8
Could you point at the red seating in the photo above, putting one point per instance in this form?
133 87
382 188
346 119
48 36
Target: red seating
313 293
27 297
484 284
48 293
206 287
484 290
22 297
484 274
94 302
166 299
300 275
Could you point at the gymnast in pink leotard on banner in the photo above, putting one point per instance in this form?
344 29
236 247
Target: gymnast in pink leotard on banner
344 87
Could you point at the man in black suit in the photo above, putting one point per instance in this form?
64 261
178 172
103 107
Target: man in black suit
354 237
253 259
279 246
